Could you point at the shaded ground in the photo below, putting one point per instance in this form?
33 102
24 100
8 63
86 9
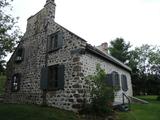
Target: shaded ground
149 111
32 112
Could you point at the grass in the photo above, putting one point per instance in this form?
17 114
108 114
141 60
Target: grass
2 84
32 112
149 111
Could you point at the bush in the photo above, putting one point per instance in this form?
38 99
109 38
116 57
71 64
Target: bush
101 94
158 98
2 84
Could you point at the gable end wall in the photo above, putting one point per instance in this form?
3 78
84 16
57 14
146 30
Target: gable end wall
89 68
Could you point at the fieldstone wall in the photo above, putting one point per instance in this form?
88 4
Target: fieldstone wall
77 65
34 41
72 95
89 67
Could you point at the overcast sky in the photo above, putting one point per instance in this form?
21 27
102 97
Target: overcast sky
97 21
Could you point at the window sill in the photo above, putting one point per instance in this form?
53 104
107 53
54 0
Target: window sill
53 50
18 60
54 89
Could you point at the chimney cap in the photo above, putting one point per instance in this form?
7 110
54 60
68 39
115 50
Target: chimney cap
50 1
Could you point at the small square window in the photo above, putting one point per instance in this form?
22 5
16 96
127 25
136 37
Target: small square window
19 55
55 41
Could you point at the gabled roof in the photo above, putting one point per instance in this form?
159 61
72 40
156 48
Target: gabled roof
99 53
71 32
95 51
107 57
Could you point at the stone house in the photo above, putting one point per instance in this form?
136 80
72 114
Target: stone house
50 64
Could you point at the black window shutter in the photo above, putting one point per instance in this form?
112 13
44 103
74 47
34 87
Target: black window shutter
60 82
108 80
23 52
18 81
60 39
117 83
44 78
124 83
49 43
113 79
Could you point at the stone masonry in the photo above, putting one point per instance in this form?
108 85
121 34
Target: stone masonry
77 64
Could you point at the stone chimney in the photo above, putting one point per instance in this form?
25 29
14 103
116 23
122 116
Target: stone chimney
103 47
51 8
41 20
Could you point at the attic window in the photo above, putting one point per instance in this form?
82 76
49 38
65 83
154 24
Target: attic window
124 83
55 41
19 55
15 82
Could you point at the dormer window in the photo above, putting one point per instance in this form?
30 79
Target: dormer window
19 55
55 41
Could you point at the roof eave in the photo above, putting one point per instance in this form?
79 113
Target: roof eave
109 58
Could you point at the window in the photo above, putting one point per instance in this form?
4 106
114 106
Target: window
19 55
55 41
124 83
52 77
113 80
15 82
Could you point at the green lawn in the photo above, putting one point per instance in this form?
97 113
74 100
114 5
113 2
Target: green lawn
2 83
32 112
149 111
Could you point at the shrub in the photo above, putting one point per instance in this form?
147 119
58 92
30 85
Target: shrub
2 84
101 95
158 98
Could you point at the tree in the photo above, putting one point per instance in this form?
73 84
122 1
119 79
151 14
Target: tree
146 59
120 49
9 32
154 60
145 64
